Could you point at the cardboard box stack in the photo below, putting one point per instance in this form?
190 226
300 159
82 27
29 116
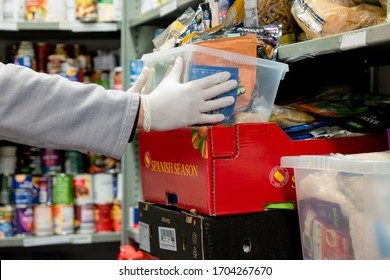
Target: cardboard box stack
219 192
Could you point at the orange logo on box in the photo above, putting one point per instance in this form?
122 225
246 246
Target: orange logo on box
147 159
279 176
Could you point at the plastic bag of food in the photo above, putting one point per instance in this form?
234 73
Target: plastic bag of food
275 11
167 39
320 18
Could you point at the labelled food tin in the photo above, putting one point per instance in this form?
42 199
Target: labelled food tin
6 187
103 218
74 162
29 160
116 214
43 220
63 219
62 189
82 188
5 229
84 221
23 220
21 197
42 190
6 213
22 182
51 161
103 188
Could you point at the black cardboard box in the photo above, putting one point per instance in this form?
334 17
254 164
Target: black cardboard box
170 233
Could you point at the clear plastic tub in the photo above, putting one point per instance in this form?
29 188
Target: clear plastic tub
258 78
343 205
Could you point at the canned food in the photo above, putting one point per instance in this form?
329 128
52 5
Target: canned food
62 189
5 229
84 219
103 188
29 160
23 220
103 218
42 187
43 220
116 215
51 161
74 162
22 182
82 187
6 213
21 197
63 219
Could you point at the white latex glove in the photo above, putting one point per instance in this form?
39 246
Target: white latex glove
174 105
140 83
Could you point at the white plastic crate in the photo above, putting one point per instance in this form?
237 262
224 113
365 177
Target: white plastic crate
343 205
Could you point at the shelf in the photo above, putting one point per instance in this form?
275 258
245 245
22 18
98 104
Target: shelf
60 26
174 7
364 37
133 233
30 241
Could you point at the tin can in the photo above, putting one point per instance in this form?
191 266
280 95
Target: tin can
116 214
86 10
7 159
103 188
63 219
6 186
21 197
82 187
22 182
35 10
6 213
29 160
43 220
51 161
84 219
23 220
74 162
62 189
42 192
5 229
103 217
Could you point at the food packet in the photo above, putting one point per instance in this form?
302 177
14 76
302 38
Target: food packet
168 38
320 18
288 117
278 11
234 17
268 36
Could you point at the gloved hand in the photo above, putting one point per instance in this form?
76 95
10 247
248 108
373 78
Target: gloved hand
141 81
174 105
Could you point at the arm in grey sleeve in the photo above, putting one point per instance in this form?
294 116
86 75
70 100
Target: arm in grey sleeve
48 111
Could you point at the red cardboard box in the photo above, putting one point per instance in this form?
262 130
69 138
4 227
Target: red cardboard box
223 170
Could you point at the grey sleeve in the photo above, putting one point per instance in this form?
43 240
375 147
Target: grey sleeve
49 111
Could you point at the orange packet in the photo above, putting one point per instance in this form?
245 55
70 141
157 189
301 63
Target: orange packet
246 72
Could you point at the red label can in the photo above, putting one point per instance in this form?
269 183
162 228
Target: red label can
103 218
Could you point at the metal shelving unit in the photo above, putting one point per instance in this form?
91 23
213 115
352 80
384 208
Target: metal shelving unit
60 26
137 34
31 241
365 37
70 30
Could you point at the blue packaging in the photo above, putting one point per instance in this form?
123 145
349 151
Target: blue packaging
200 71
135 70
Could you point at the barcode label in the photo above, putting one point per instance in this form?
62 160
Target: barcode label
144 237
167 238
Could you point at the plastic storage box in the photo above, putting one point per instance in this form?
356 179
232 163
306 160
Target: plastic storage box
258 78
343 206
